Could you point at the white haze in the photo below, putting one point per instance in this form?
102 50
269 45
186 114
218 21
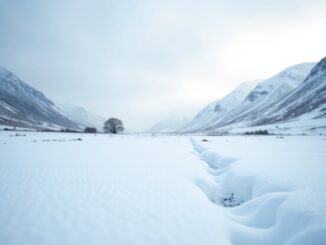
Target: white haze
143 61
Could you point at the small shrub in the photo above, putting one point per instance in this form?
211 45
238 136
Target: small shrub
257 132
68 130
90 130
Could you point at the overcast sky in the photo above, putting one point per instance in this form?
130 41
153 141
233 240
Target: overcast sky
146 60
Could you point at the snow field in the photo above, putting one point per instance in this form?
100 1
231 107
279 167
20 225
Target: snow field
57 189
104 190
266 206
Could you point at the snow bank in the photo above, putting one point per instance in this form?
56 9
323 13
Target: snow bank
274 188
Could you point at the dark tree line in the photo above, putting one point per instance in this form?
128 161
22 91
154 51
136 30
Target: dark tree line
90 130
257 132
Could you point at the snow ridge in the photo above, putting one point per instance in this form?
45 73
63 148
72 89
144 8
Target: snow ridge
257 211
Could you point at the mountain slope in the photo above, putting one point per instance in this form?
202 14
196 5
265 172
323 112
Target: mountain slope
216 110
23 106
81 116
265 94
307 100
169 125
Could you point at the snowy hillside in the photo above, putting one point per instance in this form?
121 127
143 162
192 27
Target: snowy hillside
264 104
264 95
81 116
214 111
23 106
170 125
307 102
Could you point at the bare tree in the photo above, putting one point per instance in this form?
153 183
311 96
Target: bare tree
113 126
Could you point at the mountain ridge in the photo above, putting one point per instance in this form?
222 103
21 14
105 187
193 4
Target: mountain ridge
296 94
22 105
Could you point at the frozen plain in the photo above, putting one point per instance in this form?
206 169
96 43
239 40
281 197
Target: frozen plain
55 189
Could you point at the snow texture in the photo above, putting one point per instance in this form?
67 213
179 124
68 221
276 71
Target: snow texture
102 189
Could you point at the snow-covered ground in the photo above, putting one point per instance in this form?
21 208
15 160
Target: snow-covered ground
60 188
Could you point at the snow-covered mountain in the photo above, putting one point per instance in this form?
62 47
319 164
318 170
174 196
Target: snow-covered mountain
169 125
306 102
217 109
294 97
23 106
264 95
81 116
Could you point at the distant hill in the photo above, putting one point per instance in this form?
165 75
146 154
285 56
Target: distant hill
170 124
81 116
217 109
